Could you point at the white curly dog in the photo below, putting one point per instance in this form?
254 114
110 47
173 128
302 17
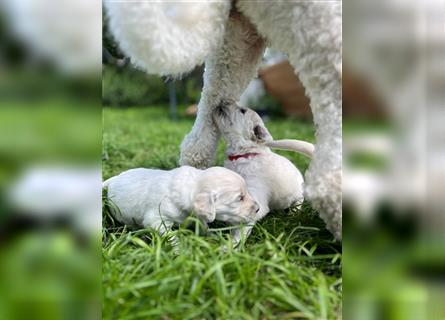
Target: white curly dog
159 198
230 36
272 180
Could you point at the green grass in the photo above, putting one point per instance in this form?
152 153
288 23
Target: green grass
289 268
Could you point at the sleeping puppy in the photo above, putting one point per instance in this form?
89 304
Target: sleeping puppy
159 198
273 181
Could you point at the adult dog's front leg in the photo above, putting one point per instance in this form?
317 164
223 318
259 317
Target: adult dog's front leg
227 73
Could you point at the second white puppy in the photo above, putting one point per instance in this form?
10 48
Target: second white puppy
159 198
273 181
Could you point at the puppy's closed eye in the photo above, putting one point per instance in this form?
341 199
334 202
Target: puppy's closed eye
242 110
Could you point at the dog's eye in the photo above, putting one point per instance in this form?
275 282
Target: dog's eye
241 198
243 111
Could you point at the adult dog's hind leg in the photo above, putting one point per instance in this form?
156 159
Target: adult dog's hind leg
227 73
310 33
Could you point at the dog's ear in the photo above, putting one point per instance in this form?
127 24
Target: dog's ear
261 134
204 206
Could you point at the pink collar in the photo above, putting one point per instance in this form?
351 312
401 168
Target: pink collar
233 157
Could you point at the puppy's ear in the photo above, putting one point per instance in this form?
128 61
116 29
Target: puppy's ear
261 134
204 206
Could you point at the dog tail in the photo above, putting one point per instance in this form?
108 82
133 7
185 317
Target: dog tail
168 38
299 146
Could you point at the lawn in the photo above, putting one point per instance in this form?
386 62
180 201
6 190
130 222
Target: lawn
289 268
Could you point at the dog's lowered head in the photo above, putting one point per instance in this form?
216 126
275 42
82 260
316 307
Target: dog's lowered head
242 128
244 131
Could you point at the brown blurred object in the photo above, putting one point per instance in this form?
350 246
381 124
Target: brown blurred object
191 110
359 98
281 83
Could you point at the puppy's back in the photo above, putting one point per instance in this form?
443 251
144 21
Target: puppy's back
136 192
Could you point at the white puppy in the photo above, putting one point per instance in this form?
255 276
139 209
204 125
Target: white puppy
273 181
159 198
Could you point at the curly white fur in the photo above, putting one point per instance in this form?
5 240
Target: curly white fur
167 37
309 32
